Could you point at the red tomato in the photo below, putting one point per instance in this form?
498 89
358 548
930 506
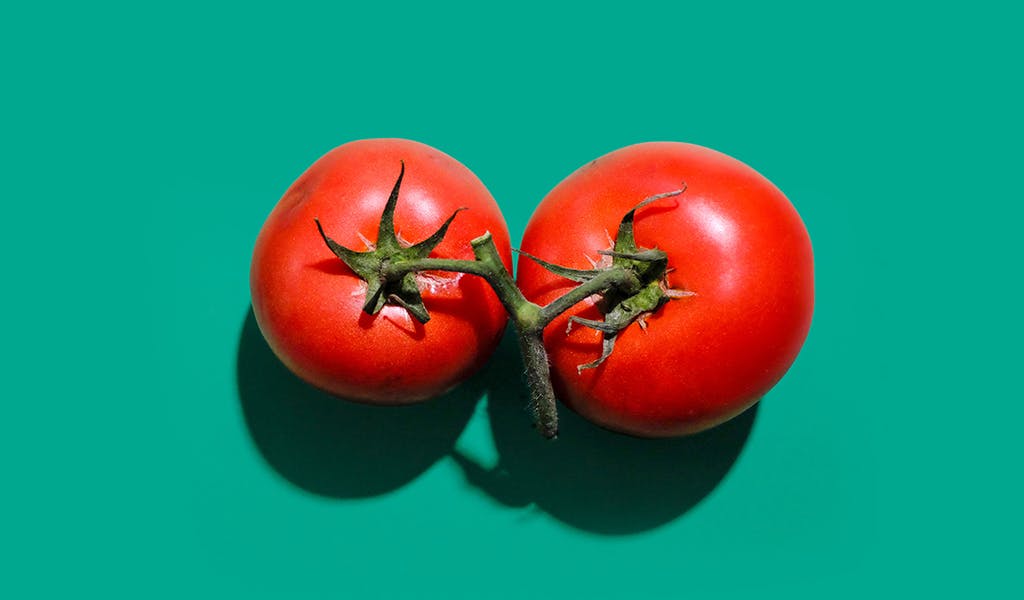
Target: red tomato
308 302
732 238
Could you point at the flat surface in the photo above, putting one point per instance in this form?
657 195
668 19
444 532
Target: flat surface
151 447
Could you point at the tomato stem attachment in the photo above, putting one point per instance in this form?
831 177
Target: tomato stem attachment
630 288
371 265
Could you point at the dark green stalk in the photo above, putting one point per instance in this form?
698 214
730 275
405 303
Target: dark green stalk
630 288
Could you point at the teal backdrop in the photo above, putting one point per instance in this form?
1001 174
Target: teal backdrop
153 448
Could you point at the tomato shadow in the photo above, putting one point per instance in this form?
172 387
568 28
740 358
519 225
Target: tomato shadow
337 448
591 478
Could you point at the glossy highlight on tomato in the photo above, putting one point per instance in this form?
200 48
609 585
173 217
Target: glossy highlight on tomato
732 239
308 303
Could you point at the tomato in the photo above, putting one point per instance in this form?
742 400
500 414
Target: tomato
308 303
732 239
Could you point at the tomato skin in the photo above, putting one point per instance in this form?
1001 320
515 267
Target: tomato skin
732 237
308 304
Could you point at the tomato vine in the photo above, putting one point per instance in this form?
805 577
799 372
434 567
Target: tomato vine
630 287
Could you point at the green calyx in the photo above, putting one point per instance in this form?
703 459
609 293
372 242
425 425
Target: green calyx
635 297
631 284
375 265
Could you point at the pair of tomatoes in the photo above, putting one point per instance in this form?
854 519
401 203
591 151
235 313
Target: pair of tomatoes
734 243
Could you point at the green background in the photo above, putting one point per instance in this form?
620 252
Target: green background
152 448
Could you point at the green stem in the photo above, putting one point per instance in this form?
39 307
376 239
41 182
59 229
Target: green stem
543 409
388 269
487 265
528 318
620 278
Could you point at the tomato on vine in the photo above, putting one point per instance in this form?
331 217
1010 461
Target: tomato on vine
355 334
712 329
